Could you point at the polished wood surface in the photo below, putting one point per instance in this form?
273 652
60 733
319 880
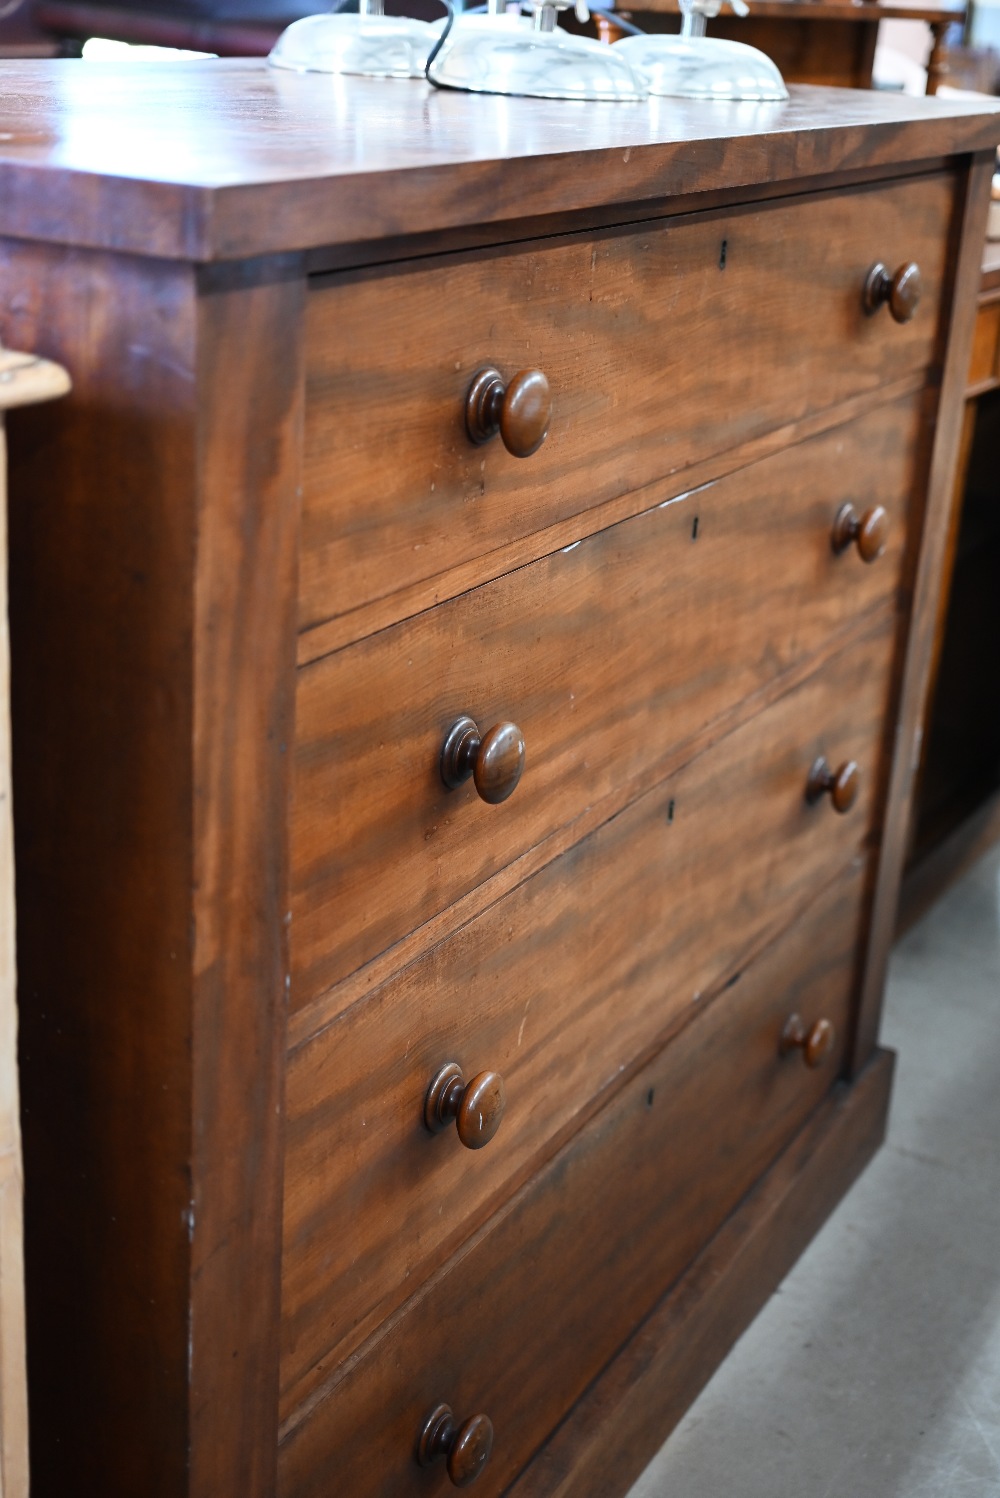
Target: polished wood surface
966 254
587 1247
406 602
217 160
257 930
150 835
534 644
533 988
384 507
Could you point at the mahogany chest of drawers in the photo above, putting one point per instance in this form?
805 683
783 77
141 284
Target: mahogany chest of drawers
470 621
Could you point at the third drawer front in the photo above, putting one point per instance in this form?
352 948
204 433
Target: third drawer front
662 346
555 988
523 1318
606 656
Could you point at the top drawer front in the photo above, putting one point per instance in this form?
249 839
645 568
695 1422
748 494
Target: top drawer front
661 347
606 655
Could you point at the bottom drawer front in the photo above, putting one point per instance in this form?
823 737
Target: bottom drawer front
517 1323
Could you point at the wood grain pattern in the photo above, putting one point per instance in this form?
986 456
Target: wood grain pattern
250 381
653 906
588 1247
965 255
103 783
150 774
154 531
647 340
308 1021
227 159
606 655
405 603
623 1419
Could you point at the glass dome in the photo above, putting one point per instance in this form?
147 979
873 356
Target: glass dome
502 54
368 44
702 67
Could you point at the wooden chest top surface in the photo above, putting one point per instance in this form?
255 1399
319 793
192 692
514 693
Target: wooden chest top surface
228 158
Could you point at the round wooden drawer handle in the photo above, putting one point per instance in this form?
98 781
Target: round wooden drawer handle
476 1108
901 292
520 411
841 785
494 759
869 531
466 1447
815 1043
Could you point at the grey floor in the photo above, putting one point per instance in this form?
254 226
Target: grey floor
875 1370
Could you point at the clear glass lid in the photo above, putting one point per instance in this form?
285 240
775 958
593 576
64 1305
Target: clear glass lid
702 67
502 54
368 44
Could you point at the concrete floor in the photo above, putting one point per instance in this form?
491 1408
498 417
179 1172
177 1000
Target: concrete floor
875 1370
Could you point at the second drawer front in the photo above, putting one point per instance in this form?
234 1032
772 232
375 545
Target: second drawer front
557 987
606 656
663 346
522 1320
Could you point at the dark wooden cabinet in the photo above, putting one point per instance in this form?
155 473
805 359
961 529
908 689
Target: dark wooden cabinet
470 627
956 807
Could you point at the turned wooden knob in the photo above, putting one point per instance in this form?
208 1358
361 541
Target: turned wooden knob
841 785
494 759
870 531
901 292
476 1108
520 411
815 1043
466 1447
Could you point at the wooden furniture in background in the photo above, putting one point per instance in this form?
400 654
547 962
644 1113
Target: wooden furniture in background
25 380
46 28
162 25
956 812
274 598
812 41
